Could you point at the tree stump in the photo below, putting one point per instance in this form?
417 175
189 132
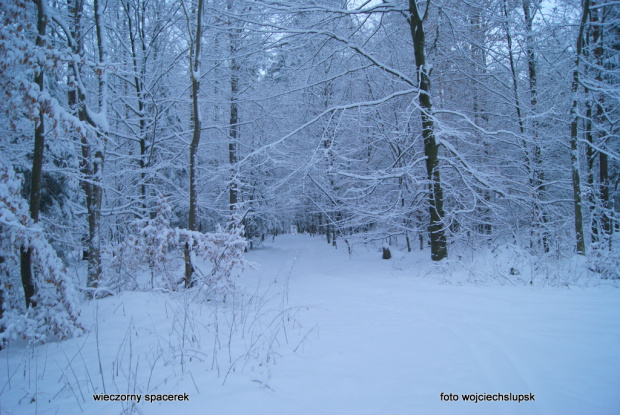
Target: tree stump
386 253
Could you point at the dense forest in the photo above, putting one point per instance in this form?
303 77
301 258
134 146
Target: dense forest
136 131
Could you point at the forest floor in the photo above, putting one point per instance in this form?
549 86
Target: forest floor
319 331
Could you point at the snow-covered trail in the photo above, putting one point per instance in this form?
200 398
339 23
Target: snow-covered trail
384 337
390 342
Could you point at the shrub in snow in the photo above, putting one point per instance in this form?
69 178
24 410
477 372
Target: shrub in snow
148 245
604 261
56 312
156 245
222 249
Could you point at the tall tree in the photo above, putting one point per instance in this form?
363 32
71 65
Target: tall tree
439 247
27 58
600 114
136 20
537 179
37 159
234 32
574 134
195 40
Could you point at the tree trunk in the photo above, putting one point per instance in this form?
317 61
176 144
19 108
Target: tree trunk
139 89
402 205
591 159
537 175
194 61
604 184
574 153
478 63
233 36
515 83
93 147
37 164
439 248
386 253
94 187
328 232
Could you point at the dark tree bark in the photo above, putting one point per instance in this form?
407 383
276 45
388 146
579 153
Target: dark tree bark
37 164
139 24
574 154
515 84
537 178
92 143
604 183
386 253
439 248
194 60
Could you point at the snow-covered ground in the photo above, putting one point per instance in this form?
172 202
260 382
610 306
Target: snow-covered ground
322 333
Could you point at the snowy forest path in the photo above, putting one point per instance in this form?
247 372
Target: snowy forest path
386 337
